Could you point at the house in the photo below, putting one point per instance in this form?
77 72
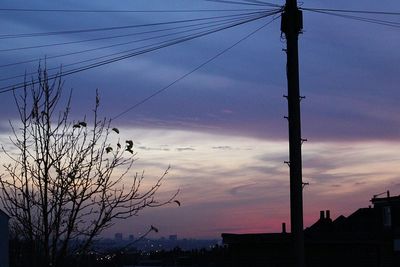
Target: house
4 244
369 237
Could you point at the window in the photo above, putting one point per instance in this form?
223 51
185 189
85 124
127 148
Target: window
396 245
387 217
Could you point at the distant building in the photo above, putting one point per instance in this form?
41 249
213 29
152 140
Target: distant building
131 238
173 238
118 236
4 242
370 237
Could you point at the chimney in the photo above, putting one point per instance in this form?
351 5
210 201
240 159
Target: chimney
321 215
283 228
328 214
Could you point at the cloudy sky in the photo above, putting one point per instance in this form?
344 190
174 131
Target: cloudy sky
221 127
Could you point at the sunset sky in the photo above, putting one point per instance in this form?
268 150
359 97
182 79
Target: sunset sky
221 128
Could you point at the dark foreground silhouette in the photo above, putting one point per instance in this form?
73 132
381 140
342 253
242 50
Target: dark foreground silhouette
370 237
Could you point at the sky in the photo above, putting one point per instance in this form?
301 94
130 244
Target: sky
221 128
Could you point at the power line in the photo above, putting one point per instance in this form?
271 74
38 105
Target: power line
235 2
362 19
112 60
352 11
230 21
120 36
126 11
225 21
192 71
36 34
100 57
263 3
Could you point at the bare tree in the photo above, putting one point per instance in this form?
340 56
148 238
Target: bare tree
67 181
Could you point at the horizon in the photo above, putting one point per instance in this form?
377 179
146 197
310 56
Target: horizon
222 128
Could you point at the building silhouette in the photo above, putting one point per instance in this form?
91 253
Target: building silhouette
173 238
4 242
369 237
118 236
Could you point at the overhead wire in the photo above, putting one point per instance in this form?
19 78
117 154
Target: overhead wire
37 34
117 36
130 42
129 55
192 71
235 2
359 18
89 60
225 21
263 3
125 11
352 11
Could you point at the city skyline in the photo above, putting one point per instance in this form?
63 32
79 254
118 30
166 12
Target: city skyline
221 128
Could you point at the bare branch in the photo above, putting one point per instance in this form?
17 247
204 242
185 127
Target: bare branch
66 179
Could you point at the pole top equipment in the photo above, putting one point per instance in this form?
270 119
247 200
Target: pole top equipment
292 20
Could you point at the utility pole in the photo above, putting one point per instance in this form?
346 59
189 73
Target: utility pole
292 24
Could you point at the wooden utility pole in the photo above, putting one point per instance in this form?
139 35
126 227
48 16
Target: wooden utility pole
292 24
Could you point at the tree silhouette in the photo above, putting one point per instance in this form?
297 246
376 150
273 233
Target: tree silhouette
65 182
